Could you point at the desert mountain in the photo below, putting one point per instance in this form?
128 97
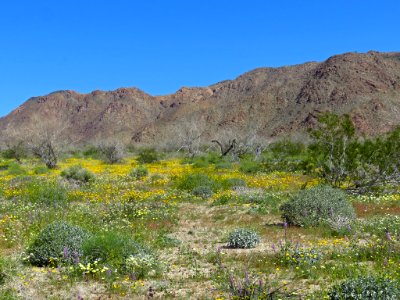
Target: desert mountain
266 102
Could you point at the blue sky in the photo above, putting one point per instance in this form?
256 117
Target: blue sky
160 46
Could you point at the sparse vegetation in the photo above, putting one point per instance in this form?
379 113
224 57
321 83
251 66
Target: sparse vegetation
203 226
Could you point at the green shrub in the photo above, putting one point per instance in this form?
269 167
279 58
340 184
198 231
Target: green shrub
15 169
147 156
92 152
223 164
243 238
111 153
363 288
200 162
3 274
16 151
50 193
78 173
202 191
234 183
249 166
119 252
317 205
40 170
58 241
189 182
139 172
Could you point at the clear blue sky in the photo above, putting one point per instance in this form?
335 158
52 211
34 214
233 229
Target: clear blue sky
160 46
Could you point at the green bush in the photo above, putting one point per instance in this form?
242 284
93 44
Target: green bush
3 274
78 173
16 151
139 172
40 170
92 152
15 169
111 153
223 164
363 288
202 191
50 193
200 162
249 166
189 182
234 183
58 241
320 204
119 252
147 156
243 238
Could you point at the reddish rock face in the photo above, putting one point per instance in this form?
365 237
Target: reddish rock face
266 102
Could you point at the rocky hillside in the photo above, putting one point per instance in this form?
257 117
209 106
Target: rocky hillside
266 102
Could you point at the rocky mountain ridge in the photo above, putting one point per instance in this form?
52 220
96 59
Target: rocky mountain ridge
266 103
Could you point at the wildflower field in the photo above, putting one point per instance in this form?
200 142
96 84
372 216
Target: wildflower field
180 228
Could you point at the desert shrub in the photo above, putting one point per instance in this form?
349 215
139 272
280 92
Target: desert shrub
91 151
58 241
111 153
119 252
364 288
78 173
15 169
40 170
139 172
223 164
202 191
200 162
249 166
234 183
167 241
223 199
252 287
3 274
317 205
147 156
243 238
16 151
189 182
50 193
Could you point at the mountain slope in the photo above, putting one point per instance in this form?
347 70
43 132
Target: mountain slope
266 102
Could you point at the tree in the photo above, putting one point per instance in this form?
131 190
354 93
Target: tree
343 160
333 147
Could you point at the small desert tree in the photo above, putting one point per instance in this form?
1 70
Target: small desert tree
190 140
47 139
342 159
15 149
111 152
333 143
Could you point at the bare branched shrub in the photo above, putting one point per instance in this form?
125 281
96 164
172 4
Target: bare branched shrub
111 153
45 150
190 140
